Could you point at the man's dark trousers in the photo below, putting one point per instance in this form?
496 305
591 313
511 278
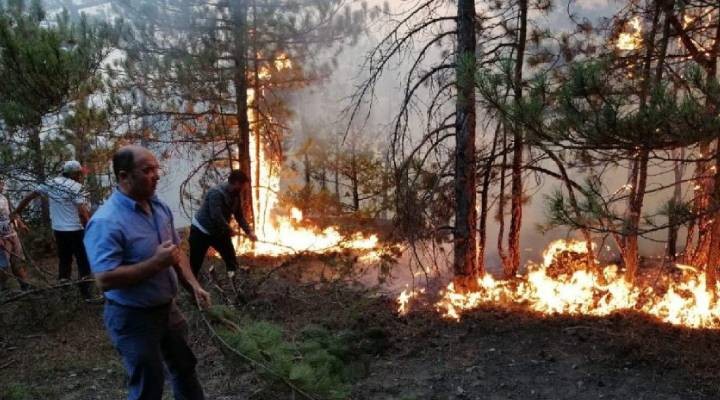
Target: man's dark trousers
70 244
146 338
201 242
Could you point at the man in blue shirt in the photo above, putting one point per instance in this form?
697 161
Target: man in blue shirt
132 246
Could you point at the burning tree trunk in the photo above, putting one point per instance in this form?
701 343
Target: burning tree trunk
465 251
703 200
713 266
637 197
517 185
640 162
712 108
239 11
256 105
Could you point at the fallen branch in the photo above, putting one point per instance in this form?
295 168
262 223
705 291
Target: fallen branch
42 290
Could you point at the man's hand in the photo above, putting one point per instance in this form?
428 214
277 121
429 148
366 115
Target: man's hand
253 237
202 297
20 225
167 254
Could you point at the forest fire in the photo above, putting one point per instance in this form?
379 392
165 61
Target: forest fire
280 234
564 284
631 40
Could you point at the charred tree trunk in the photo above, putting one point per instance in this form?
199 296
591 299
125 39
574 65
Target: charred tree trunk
631 242
517 163
704 177
308 170
714 250
713 259
501 204
673 229
355 182
239 14
640 163
465 250
336 180
323 177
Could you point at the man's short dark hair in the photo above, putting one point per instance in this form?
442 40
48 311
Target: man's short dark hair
123 160
237 176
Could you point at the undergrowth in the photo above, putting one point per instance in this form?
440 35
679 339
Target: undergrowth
317 361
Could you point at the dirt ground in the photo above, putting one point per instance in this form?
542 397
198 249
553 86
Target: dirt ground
53 346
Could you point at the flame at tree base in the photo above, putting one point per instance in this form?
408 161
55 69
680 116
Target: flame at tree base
588 290
278 234
286 236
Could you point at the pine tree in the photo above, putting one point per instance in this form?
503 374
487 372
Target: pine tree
46 65
217 72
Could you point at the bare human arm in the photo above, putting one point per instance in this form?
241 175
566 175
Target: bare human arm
190 283
83 213
24 203
240 219
15 219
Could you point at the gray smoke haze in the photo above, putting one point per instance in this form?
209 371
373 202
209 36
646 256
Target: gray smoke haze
319 107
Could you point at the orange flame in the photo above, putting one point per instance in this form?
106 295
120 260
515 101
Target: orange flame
594 290
631 40
278 234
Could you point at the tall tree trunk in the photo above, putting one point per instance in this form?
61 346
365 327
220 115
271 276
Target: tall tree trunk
336 178
239 11
713 263
256 105
385 190
517 184
673 228
501 204
671 252
308 170
355 181
484 197
640 163
704 182
323 178
631 243
465 250
38 166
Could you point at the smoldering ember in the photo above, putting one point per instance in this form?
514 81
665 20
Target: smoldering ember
366 200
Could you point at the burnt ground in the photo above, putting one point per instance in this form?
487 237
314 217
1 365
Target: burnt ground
53 346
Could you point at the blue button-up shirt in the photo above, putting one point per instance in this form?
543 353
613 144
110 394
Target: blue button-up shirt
121 233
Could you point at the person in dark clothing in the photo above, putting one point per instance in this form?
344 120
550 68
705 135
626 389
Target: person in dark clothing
210 225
